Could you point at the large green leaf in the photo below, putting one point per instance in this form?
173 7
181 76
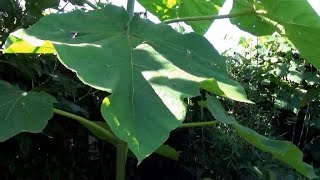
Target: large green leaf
170 9
283 150
23 111
294 19
148 68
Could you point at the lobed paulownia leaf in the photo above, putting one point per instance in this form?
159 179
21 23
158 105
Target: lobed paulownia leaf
294 19
285 151
148 68
22 111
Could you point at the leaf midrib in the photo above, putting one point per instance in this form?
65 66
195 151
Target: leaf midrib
131 67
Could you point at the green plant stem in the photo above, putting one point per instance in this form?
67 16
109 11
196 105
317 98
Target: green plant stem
130 7
206 18
199 124
121 146
110 137
121 159
91 4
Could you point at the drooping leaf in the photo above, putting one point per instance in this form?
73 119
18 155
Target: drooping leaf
185 8
283 150
148 68
22 111
295 19
169 152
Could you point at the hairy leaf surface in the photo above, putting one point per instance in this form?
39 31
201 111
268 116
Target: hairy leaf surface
23 111
148 68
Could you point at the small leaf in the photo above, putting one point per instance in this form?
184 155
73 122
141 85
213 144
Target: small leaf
295 76
23 111
283 150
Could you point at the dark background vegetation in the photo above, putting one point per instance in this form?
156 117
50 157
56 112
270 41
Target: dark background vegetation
284 87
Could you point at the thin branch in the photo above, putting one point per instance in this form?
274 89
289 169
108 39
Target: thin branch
206 18
62 9
87 94
93 6
110 137
130 7
198 124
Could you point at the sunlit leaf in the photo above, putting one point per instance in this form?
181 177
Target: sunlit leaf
185 8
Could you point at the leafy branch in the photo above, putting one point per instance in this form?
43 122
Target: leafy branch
212 17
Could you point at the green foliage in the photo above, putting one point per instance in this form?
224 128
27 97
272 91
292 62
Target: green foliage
185 8
296 20
22 111
278 71
266 71
140 63
284 151
149 71
34 8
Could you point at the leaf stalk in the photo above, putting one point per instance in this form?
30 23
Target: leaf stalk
210 17
130 7
91 4
110 137
121 159
198 124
